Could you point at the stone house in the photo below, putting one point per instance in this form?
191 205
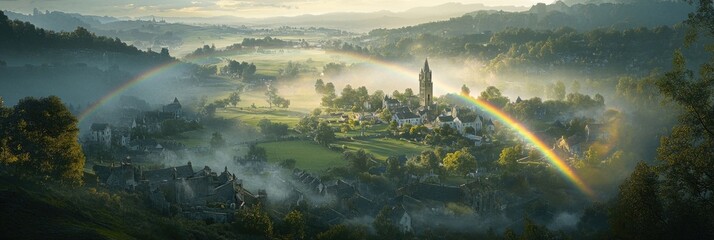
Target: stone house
390 103
101 133
173 108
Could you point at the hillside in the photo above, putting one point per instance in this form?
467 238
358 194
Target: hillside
59 212
363 22
581 17
79 66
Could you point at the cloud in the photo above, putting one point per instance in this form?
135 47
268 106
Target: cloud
247 4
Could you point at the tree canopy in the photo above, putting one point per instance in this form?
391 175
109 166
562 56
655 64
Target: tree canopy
39 137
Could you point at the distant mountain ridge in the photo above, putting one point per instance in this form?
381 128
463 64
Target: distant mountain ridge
362 22
581 17
349 21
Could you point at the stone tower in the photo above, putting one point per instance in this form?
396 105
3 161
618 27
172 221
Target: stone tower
426 87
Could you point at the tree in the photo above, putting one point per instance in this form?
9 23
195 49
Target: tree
291 70
217 141
42 135
429 160
164 52
509 156
209 110
494 96
637 214
295 223
465 91
254 221
267 127
393 167
558 92
393 127
324 134
248 71
319 86
274 99
687 162
375 100
328 100
272 94
575 87
385 115
316 112
333 69
358 161
329 89
257 154
6 154
384 226
234 98
342 232
461 162
307 125
534 231
594 223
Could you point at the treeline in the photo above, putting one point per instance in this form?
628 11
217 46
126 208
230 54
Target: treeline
352 99
266 42
517 49
239 69
541 16
23 36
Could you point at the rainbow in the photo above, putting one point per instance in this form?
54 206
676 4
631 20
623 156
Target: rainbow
148 74
497 113
405 73
553 158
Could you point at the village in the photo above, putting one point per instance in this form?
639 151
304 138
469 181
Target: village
412 198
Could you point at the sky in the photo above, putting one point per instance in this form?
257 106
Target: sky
237 8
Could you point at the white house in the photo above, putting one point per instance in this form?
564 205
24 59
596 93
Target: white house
406 117
464 122
101 133
402 219
442 121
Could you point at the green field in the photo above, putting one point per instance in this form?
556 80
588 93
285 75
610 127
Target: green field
308 155
378 129
381 148
253 116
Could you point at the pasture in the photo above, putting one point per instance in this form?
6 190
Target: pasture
308 155
382 148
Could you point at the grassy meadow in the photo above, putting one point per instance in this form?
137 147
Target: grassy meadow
308 155
251 116
382 148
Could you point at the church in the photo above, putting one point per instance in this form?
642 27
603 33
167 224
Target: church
402 114
427 112
426 87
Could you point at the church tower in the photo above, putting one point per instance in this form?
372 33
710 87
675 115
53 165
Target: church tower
426 87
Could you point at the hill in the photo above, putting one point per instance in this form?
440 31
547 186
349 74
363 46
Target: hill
581 17
34 211
78 66
363 22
